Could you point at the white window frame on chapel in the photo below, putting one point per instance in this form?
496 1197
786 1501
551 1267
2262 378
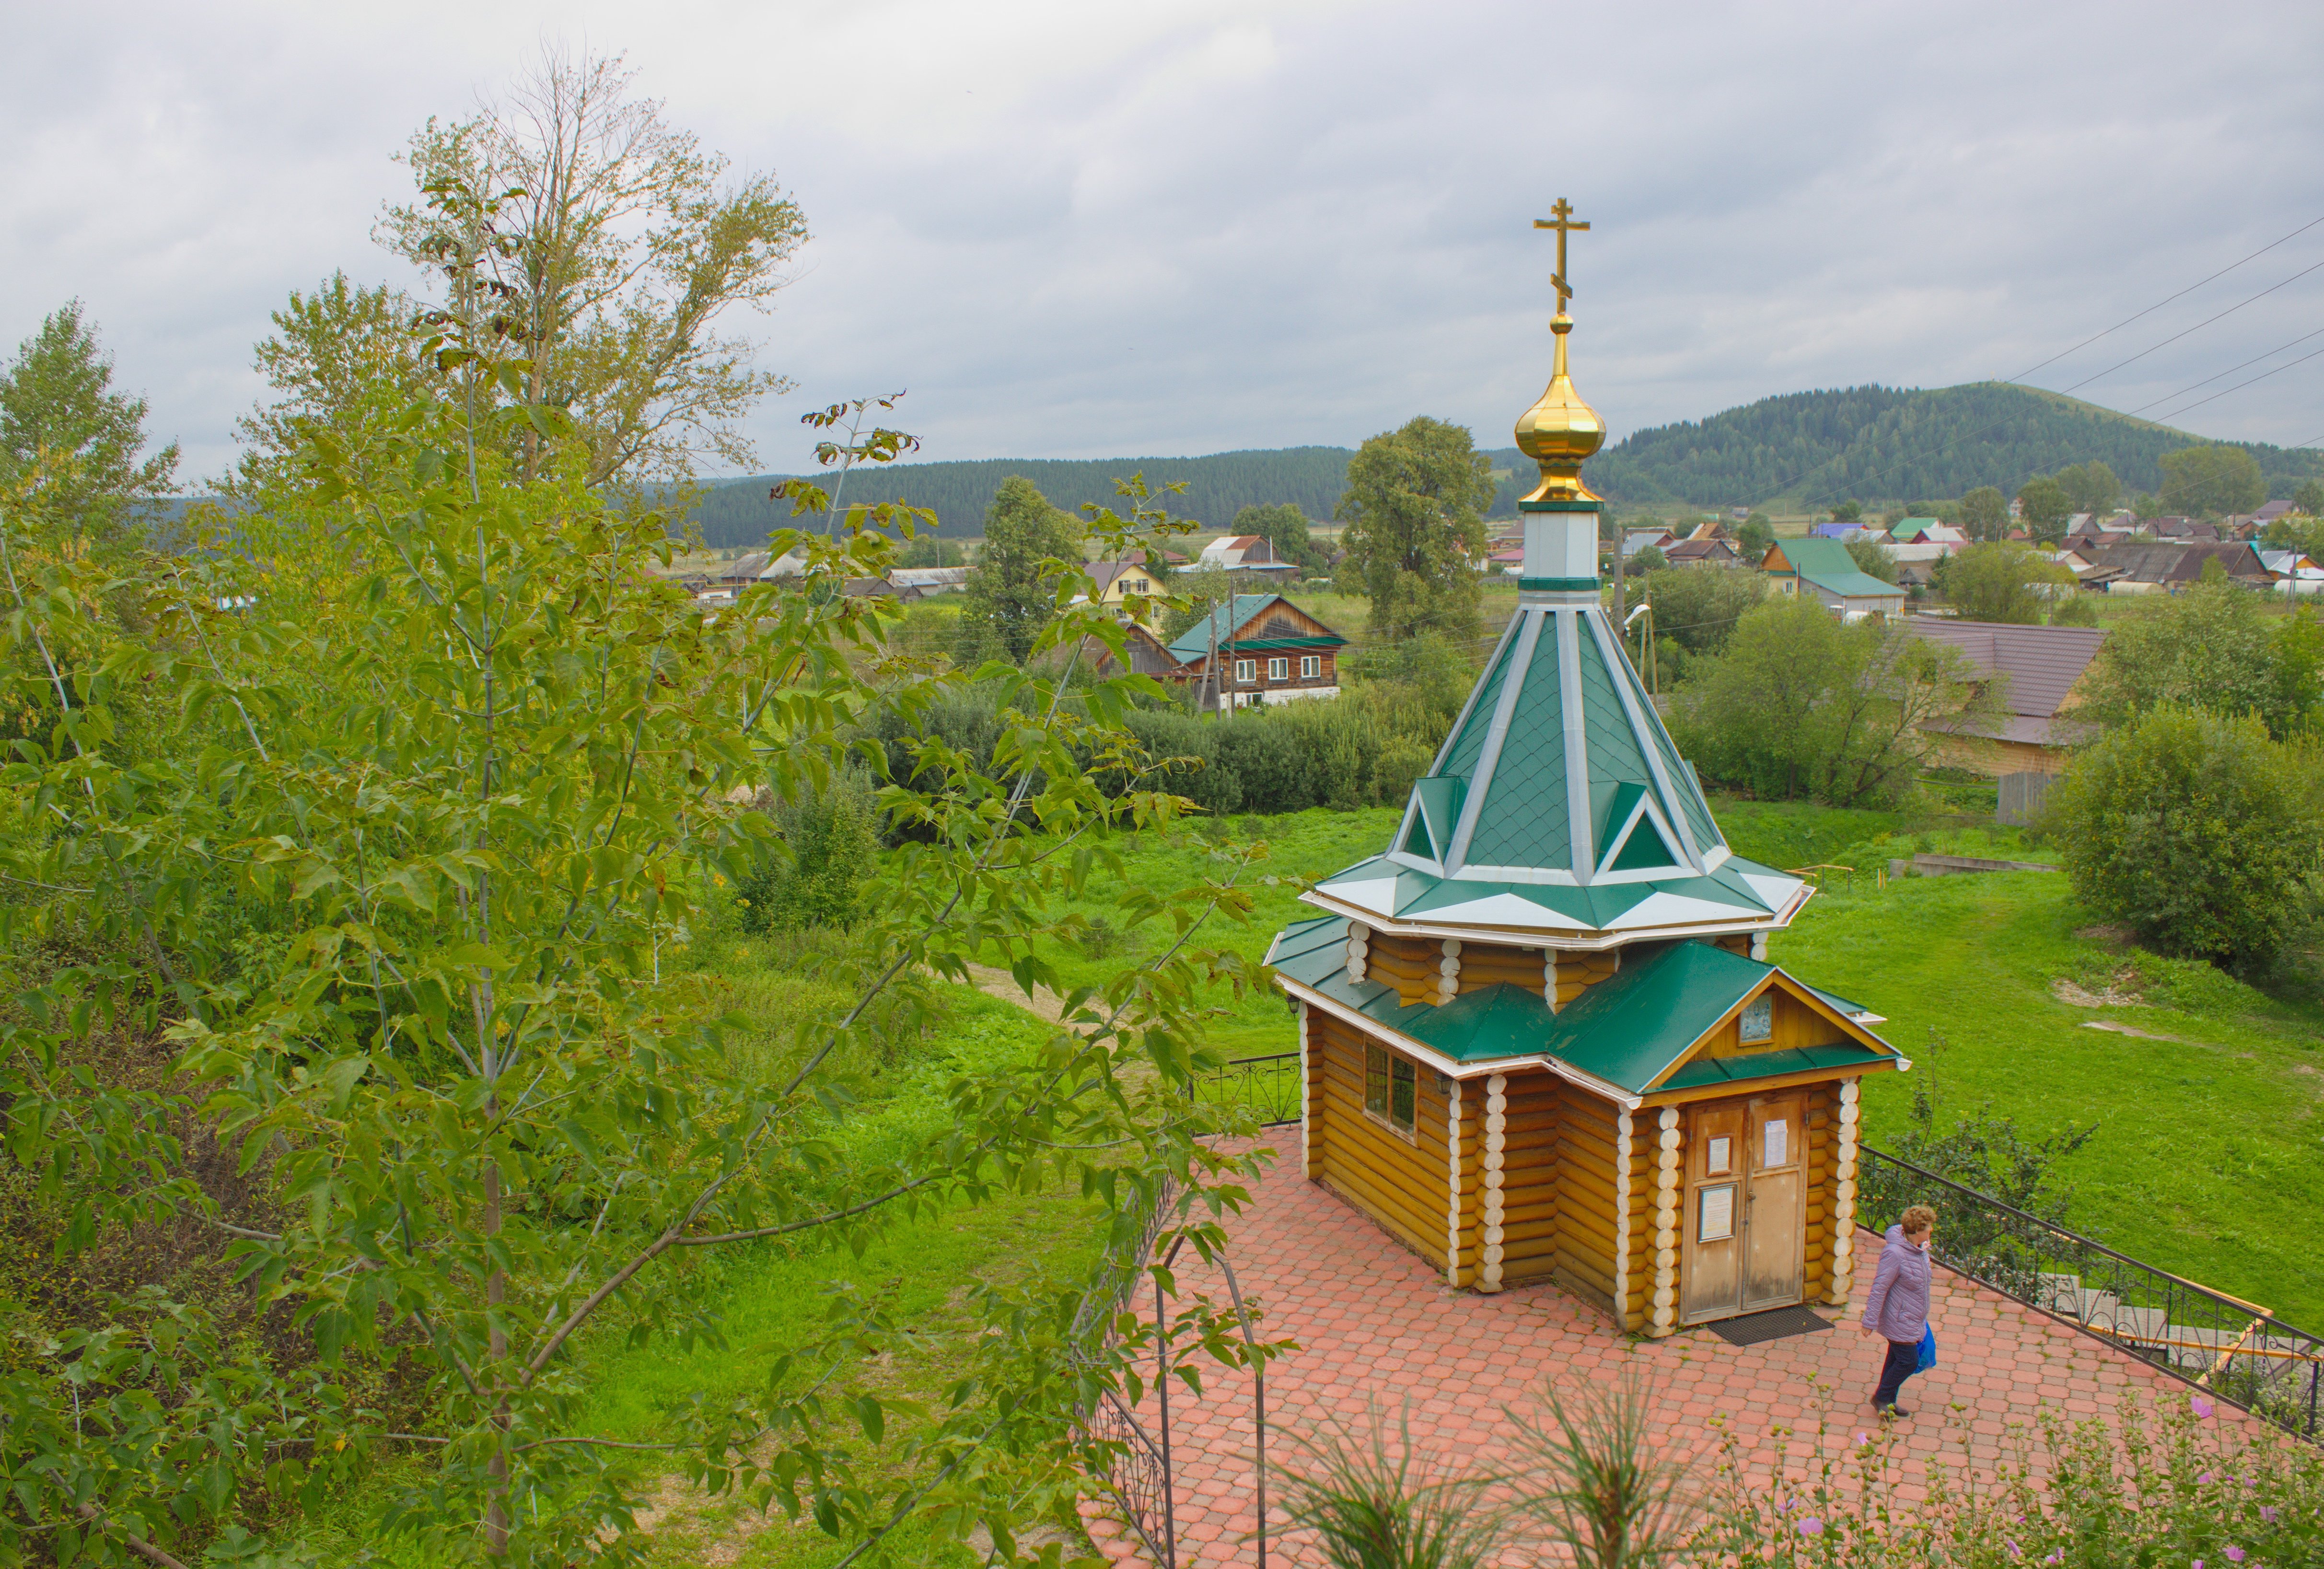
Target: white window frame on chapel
1278 670
1246 671
1310 665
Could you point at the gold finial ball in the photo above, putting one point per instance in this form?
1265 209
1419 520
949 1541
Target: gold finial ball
1561 430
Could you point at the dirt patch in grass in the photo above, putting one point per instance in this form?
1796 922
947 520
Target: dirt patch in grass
2117 993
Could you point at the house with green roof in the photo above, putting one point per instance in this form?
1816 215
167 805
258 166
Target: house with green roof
1824 569
1264 649
1542 1036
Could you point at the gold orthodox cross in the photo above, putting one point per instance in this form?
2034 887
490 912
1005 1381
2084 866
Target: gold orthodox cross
1562 222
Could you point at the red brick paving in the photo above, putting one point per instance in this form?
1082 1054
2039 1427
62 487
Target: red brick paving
1374 1322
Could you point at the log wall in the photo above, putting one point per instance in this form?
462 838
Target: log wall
1399 1181
1589 1204
1521 1197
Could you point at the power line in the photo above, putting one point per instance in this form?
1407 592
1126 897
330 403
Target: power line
2125 321
2230 371
2207 321
2239 386
2159 304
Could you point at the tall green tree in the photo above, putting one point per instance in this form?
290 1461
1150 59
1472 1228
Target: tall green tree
2211 481
2199 831
2310 498
72 449
619 254
1753 536
2209 649
1415 528
2042 507
2091 487
397 902
2000 582
337 357
1011 589
1800 706
1984 513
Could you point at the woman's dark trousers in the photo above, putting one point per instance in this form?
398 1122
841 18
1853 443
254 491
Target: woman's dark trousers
1904 1362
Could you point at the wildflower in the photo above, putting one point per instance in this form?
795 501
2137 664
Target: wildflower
2059 1556
2234 1555
2014 1550
2205 1478
2199 1405
1811 1526
2267 1513
1863 1440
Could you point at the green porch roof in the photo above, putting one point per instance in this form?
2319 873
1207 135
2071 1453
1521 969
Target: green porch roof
1626 1031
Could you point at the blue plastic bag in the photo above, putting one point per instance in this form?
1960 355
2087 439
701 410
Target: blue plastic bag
1928 1349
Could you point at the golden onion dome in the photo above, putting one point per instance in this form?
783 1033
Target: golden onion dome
1561 430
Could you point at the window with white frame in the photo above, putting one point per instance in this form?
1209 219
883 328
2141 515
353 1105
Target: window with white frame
1278 670
1246 671
1310 665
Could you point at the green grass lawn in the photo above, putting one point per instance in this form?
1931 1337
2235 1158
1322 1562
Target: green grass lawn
2210 1154
769 1297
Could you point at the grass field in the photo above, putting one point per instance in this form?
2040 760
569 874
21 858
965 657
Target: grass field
2210 1154
767 1298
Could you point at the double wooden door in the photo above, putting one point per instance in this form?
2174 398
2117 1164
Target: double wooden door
1744 1241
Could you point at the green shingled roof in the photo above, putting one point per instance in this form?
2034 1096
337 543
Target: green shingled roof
1626 1031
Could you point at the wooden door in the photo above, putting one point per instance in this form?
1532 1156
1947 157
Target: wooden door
1775 1223
1713 1240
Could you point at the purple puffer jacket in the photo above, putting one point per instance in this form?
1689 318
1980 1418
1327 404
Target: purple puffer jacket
1898 1306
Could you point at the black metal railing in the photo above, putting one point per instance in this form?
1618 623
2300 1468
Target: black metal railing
2231 1348
1274 1085
1138 1464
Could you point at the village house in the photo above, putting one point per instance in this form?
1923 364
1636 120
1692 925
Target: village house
1703 553
1825 571
1248 553
1928 531
1268 651
2167 567
1540 1035
2038 670
2292 573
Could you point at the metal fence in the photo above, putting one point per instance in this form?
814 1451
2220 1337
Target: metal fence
1274 1085
1137 1469
2233 1349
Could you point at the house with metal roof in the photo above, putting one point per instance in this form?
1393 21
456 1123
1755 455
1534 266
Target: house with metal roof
1824 570
1266 649
2038 670
1542 1036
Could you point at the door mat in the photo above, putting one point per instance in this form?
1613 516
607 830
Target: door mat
1775 1324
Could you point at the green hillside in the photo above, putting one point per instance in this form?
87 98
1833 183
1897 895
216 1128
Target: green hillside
1894 443
1876 444
1218 486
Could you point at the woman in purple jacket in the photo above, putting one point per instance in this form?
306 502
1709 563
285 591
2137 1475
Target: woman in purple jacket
1898 1309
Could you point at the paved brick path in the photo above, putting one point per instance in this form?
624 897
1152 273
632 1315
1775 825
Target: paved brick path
1373 1321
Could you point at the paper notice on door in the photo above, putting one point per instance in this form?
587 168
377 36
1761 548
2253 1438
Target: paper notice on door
1778 1149
1718 1223
1717 1162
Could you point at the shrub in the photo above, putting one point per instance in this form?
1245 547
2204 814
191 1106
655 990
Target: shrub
828 841
2196 831
2208 648
1696 608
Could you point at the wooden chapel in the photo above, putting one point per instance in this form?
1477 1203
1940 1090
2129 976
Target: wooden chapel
1540 1036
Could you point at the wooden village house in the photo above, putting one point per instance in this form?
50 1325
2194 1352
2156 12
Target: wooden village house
1542 1037
1267 649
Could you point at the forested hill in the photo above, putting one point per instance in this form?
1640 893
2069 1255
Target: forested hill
1218 486
1896 444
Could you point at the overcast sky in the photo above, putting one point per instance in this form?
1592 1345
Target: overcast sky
1098 228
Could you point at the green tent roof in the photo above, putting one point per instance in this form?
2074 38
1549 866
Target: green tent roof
1626 1031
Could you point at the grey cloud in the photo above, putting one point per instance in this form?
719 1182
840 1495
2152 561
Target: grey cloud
1187 228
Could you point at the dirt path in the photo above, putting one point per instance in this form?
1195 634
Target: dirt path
1044 1003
